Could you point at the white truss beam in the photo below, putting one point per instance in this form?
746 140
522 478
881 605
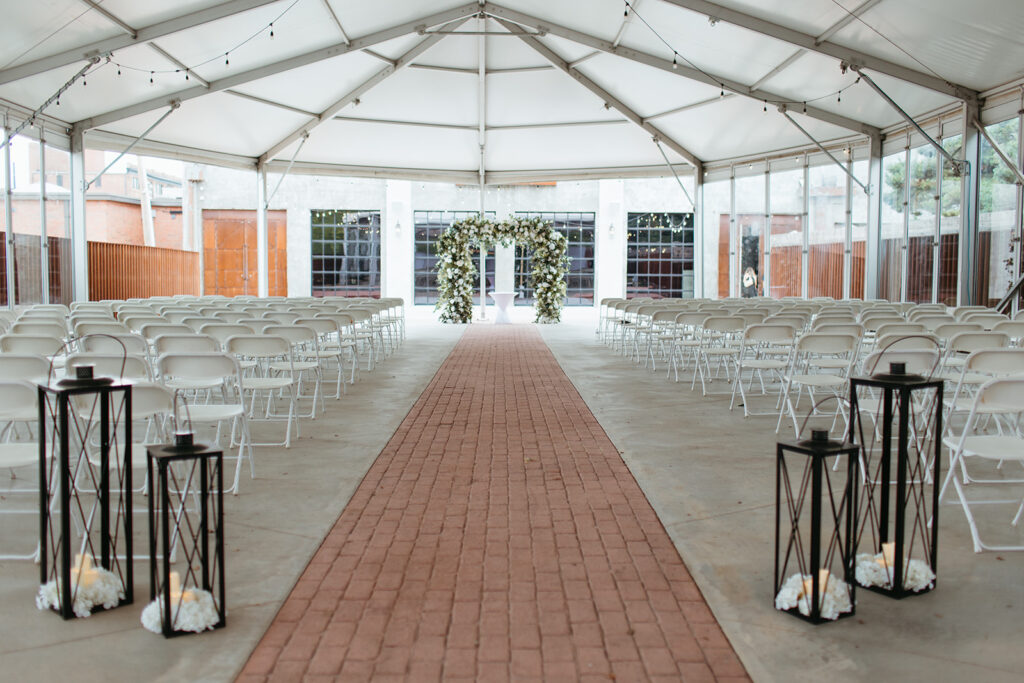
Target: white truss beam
281 66
811 43
142 35
610 99
677 69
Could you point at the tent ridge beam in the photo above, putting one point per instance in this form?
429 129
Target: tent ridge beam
809 42
354 94
110 16
682 70
142 35
272 103
609 99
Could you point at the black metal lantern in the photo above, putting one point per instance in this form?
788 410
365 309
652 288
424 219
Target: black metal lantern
85 436
815 515
896 418
186 474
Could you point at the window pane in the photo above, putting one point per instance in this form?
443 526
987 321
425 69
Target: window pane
892 244
578 227
787 206
997 237
920 254
346 253
827 231
949 226
750 225
659 255
428 226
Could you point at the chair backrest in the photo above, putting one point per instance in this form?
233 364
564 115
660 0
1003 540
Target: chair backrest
113 365
295 334
966 342
39 328
919 362
691 318
1002 395
833 319
135 322
24 366
1012 328
27 343
221 331
185 343
871 323
797 320
996 362
196 322
950 330
199 365
960 312
18 399
150 399
820 342
258 346
931 322
899 328
231 316
724 324
111 327
988 320
153 330
113 343
281 317
917 341
842 328
766 333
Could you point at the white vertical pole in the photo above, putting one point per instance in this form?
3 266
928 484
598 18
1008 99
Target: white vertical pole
872 249
79 240
8 215
848 239
905 249
766 277
262 257
735 239
482 140
937 242
44 246
806 247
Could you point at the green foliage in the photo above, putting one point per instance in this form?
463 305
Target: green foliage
455 268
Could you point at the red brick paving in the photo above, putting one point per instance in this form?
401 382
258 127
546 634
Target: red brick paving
498 536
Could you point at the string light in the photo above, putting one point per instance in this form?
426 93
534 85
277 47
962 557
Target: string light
227 62
766 105
271 30
675 65
722 86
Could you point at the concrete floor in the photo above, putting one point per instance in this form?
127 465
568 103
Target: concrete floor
708 473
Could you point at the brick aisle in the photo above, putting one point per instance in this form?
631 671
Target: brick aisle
498 536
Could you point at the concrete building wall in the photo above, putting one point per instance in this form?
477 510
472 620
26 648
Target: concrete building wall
610 200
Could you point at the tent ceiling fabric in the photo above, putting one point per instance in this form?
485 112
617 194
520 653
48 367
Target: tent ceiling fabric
377 85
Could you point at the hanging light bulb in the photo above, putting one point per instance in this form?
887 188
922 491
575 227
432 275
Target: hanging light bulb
151 78
805 107
626 13
675 65
722 86
227 62
271 30
766 105
839 97
186 75
118 69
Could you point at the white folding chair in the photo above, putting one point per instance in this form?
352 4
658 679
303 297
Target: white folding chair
185 371
271 373
1004 398
821 363
764 348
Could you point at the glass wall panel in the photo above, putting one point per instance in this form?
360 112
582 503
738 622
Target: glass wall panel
717 263
892 244
827 231
920 254
659 255
787 242
346 253
428 227
949 225
578 228
859 229
998 236
751 228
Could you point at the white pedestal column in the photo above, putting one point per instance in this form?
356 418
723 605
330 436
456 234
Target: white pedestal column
504 268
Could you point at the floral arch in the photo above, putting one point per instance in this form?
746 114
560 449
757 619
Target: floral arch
456 268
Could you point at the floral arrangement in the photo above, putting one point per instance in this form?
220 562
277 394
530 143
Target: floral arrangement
877 570
835 599
455 269
91 587
195 612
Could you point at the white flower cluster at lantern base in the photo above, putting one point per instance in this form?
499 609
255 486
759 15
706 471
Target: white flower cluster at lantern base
195 613
874 571
91 587
456 270
835 600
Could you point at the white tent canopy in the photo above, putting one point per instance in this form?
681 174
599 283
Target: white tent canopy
518 90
